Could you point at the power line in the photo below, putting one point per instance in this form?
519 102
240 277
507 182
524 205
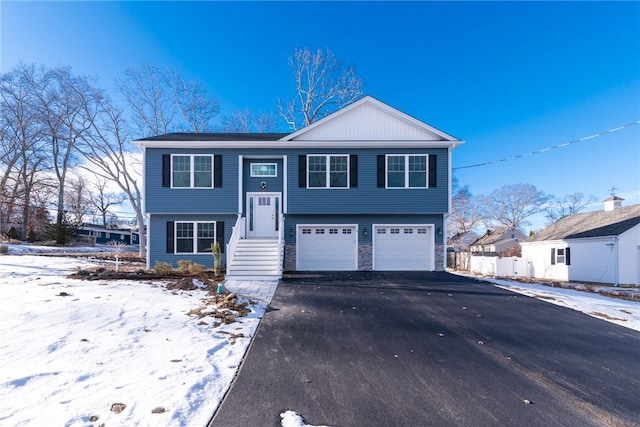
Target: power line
544 150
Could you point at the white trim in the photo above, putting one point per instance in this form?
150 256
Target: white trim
194 238
285 180
251 174
406 171
356 232
328 171
245 145
240 181
192 178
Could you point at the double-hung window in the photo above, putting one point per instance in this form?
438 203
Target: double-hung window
191 171
328 171
194 237
406 171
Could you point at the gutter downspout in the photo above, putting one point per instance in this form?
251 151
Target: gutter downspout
616 244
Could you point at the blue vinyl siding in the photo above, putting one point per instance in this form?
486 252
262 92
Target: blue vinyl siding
252 184
362 221
365 198
158 238
159 199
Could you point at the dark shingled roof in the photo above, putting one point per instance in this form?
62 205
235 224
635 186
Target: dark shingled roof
590 224
190 136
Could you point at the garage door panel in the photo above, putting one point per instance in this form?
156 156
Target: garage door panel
326 248
403 248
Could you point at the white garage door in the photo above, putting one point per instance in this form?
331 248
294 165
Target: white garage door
403 248
327 248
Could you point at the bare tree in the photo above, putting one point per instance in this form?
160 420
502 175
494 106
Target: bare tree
194 103
76 199
245 121
511 205
466 211
147 95
21 151
103 200
162 101
568 205
322 85
61 96
107 147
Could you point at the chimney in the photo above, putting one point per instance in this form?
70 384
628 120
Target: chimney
612 203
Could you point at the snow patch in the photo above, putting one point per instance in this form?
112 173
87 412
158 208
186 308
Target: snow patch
291 419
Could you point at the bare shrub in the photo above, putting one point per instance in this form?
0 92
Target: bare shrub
162 268
196 269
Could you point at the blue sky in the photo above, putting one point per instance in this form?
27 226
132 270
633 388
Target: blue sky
506 77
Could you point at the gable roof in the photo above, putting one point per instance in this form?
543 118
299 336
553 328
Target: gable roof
493 236
380 117
366 121
590 224
462 235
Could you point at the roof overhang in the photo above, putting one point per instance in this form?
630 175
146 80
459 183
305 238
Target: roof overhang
295 144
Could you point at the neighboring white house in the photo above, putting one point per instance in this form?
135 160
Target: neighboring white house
602 246
497 241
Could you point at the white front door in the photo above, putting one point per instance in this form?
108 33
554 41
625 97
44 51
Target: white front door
263 214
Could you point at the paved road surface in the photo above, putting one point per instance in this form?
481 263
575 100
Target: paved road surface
431 349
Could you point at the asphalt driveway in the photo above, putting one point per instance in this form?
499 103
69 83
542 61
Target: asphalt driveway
431 349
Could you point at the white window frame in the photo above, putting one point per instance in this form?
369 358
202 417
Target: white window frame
328 170
406 170
192 170
259 175
194 238
561 259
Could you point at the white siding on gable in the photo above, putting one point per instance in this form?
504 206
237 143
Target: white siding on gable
368 123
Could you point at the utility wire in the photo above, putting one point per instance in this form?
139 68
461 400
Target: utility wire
544 150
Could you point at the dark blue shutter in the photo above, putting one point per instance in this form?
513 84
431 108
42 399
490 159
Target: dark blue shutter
217 171
220 235
302 171
567 256
166 170
170 237
433 170
381 177
553 256
353 170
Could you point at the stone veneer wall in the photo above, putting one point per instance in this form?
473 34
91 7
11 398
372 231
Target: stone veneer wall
440 257
290 257
365 257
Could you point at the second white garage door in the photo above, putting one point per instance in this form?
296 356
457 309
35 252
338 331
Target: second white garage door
327 248
403 248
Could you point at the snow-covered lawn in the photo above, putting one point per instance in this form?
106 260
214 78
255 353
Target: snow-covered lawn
615 310
71 349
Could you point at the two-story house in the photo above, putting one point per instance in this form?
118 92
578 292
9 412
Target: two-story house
365 188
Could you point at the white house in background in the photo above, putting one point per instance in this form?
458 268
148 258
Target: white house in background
497 241
602 246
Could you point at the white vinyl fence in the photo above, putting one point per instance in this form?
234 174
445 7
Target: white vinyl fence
500 267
